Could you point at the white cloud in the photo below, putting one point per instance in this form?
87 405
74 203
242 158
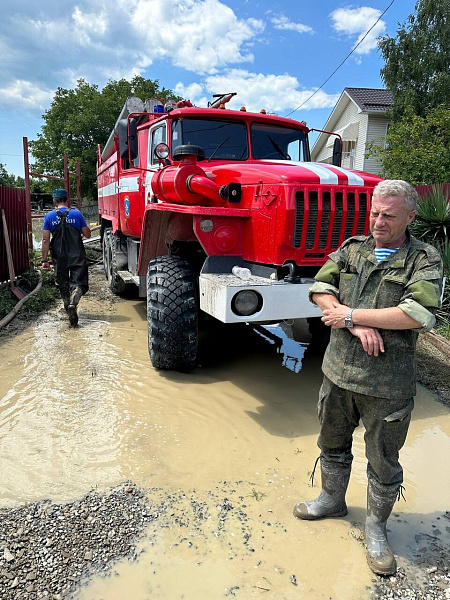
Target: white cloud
275 93
357 21
50 46
198 35
23 94
283 22
193 92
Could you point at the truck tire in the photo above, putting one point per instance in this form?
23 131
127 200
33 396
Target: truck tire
172 313
115 283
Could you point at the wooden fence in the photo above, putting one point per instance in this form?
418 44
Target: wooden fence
13 203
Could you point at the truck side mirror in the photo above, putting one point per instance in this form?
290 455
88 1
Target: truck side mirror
337 152
128 141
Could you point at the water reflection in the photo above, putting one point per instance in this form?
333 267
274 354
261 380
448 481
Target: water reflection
291 350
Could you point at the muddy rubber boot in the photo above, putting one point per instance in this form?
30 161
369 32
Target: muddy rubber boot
75 296
380 501
73 315
65 296
331 500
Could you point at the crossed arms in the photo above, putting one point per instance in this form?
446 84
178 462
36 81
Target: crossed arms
366 321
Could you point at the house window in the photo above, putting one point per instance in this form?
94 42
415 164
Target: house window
348 153
348 146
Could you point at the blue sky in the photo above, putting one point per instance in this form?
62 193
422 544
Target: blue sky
274 55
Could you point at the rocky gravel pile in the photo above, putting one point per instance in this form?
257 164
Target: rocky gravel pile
46 549
428 577
435 585
51 550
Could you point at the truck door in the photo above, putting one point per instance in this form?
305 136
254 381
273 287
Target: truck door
157 135
129 197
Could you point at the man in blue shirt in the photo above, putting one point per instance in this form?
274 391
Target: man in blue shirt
65 225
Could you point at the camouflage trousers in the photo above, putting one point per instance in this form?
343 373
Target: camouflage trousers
386 423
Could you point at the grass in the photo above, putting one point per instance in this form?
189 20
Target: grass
443 329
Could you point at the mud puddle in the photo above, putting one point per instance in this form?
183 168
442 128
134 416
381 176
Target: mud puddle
224 454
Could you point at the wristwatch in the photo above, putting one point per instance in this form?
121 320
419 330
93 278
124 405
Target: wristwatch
348 318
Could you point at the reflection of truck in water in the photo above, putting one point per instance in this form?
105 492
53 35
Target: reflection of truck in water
217 211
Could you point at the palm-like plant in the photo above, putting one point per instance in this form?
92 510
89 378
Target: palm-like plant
432 222
444 311
432 225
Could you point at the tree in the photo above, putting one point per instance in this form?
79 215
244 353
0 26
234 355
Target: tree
78 120
417 148
417 60
6 179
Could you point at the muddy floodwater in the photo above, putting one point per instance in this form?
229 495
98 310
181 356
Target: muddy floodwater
234 440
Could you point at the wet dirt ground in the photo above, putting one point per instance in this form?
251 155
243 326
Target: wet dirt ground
223 454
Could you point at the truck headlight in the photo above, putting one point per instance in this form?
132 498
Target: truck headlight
246 303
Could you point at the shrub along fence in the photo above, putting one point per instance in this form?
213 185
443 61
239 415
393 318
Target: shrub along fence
16 213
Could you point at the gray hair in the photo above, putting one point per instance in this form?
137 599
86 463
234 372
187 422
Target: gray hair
397 187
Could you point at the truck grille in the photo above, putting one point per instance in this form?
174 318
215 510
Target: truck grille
324 219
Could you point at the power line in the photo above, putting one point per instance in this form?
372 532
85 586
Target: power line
348 56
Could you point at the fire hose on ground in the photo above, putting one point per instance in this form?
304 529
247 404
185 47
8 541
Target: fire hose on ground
10 316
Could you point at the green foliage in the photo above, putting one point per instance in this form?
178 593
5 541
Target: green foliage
7 301
444 311
10 180
432 225
443 329
78 120
6 179
417 148
416 61
432 221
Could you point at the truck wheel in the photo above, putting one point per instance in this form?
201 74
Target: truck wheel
172 313
115 283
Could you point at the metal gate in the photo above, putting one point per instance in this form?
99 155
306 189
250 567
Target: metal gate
13 203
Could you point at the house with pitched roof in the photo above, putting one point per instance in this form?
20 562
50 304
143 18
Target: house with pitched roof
359 117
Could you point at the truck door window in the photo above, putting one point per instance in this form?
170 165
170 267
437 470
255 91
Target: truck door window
220 139
158 136
278 143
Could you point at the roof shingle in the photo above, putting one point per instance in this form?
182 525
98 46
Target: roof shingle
371 99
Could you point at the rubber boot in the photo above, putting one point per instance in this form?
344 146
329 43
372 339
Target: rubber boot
73 315
75 296
65 295
380 501
331 500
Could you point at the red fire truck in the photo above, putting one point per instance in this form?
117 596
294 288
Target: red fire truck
219 212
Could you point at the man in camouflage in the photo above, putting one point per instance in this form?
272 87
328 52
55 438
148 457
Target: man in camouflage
377 293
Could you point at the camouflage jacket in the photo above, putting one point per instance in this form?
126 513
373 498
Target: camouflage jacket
411 279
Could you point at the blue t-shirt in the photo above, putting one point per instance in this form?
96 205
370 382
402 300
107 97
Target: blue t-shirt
75 219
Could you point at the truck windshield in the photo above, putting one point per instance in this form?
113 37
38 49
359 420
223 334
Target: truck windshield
278 143
220 139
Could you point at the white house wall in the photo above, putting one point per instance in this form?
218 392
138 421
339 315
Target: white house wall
376 132
361 143
349 115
